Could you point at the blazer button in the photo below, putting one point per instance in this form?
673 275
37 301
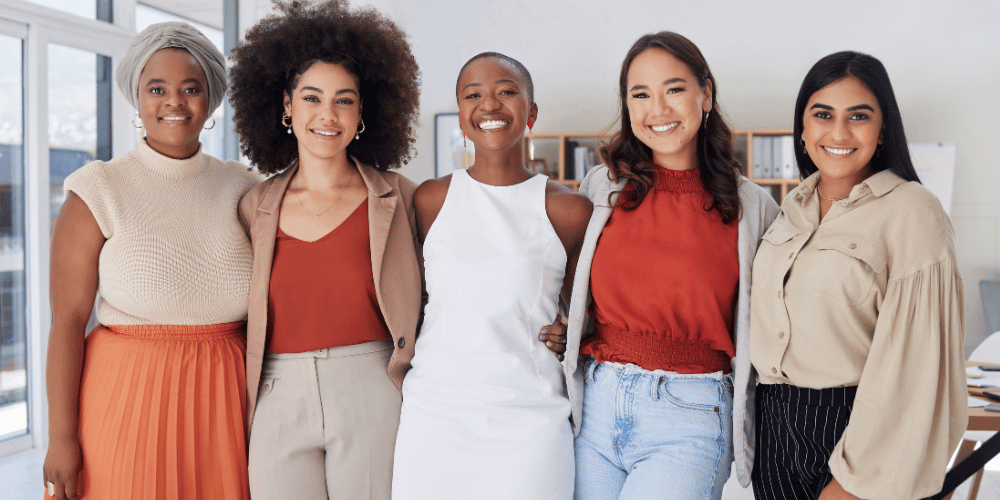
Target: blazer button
401 343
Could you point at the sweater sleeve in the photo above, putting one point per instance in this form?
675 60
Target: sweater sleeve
90 183
910 410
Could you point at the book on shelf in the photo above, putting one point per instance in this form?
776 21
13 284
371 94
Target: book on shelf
581 161
788 166
758 156
569 170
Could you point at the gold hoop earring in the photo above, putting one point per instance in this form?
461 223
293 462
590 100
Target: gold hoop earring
284 116
357 135
133 121
213 123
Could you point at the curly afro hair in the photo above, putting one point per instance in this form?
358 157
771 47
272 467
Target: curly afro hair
282 46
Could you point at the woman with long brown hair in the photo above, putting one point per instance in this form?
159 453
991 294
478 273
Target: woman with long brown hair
664 277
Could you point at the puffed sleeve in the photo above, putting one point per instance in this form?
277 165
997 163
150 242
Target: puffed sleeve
910 410
90 183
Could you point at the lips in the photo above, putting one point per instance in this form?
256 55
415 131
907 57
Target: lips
178 119
839 152
663 129
493 124
325 133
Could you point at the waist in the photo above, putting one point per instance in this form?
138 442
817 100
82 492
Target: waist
793 394
652 351
178 332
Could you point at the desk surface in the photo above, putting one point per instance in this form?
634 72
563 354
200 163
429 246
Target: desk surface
979 418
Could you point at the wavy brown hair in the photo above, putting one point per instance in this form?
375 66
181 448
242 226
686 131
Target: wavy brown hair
628 158
282 46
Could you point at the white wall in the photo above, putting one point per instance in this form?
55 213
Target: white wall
943 58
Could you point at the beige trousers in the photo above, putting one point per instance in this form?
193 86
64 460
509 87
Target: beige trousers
325 425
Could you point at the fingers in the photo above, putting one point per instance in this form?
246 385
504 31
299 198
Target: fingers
60 489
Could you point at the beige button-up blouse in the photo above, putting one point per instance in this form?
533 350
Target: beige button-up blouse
870 297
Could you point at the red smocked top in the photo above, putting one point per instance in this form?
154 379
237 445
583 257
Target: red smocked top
664 280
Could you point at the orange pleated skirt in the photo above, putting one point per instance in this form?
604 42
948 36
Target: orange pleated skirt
163 413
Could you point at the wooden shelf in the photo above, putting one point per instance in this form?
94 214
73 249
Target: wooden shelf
784 185
557 154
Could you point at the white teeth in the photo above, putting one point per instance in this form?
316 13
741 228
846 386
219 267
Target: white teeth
839 152
174 118
492 124
663 128
327 134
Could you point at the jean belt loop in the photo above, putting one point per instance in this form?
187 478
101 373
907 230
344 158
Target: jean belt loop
655 387
592 370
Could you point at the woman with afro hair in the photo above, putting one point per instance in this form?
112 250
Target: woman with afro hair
326 97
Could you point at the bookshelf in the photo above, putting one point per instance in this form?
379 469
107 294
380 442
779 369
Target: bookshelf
762 165
557 152
556 156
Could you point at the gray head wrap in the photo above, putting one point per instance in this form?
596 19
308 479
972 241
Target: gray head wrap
172 35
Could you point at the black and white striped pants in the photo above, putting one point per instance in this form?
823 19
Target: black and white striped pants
797 430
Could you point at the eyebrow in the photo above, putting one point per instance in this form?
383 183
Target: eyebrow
665 82
852 108
341 91
162 81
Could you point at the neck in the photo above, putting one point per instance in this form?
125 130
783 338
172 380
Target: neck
686 159
500 168
316 174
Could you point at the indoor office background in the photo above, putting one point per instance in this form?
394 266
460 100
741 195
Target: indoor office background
60 108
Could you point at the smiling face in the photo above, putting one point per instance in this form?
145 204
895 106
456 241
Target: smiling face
666 105
173 102
493 107
325 111
841 128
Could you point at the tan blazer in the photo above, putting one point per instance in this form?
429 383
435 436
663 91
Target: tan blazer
396 265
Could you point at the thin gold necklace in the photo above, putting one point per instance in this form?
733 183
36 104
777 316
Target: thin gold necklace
342 191
830 199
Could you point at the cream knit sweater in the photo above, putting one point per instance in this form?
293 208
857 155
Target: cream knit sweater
175 252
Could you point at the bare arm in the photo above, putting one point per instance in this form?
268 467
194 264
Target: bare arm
569 213
427 202
76 246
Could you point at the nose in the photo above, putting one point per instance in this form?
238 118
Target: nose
660 103
175 99
490 102
840 130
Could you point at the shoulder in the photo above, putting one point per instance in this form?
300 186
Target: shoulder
432 192
757 202
906 216
599 180
564 202
399 182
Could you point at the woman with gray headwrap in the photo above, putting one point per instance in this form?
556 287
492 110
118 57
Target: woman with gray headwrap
151 403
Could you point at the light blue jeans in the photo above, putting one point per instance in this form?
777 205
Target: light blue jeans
653 435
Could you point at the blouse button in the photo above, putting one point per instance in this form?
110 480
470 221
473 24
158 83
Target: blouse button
401 342
779 294
774 370
844 203
781 335
853 246
791 255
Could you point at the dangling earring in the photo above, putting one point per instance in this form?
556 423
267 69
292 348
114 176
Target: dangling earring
531 143
465 153
284 116
213 123
133 121
803 142
357 135
705 121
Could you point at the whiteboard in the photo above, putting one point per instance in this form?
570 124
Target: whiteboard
935 165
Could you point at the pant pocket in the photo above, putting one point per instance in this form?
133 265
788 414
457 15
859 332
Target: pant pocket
693 394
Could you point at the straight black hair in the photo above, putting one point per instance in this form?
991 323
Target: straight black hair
893 154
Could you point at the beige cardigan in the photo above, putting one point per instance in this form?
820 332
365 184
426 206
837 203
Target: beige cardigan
395 264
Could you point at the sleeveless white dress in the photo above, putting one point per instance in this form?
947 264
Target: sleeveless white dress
485 413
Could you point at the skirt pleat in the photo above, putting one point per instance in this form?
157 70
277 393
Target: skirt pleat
163 413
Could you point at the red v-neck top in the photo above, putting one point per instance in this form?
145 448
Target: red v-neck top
322 293
664 281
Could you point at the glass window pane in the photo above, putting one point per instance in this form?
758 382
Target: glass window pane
13 340
211 140
79 114
88 9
